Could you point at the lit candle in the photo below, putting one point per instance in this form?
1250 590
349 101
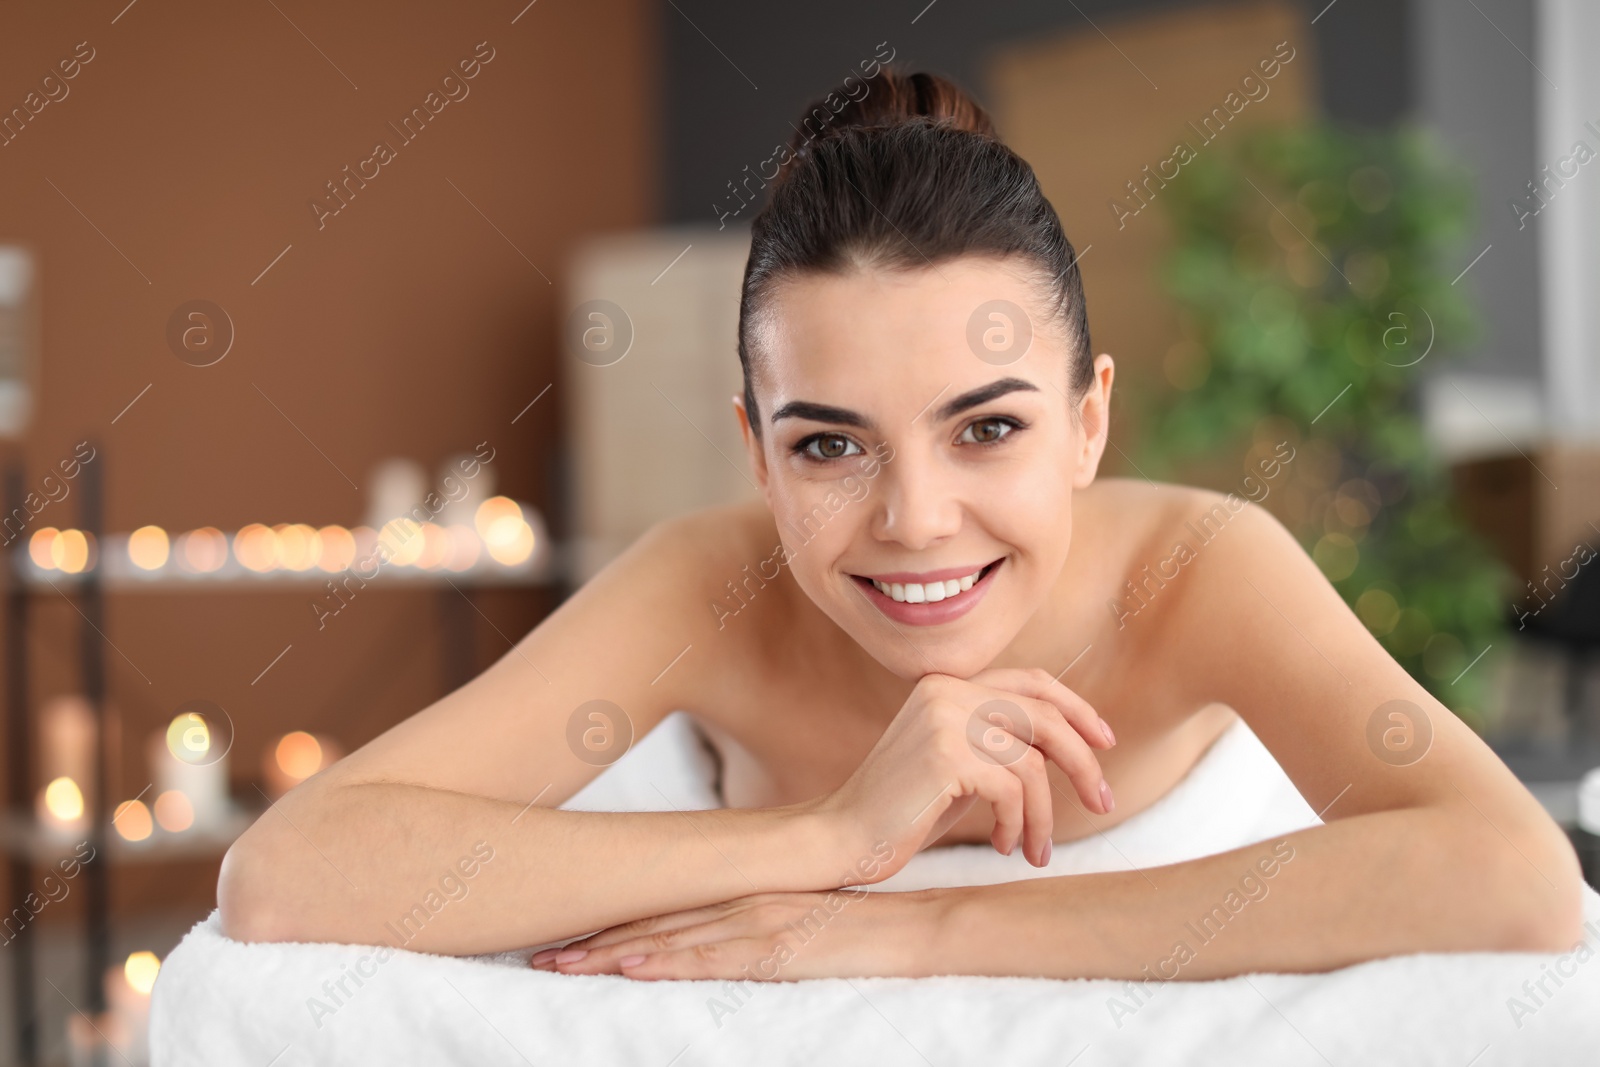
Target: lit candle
60 808
128 1000
66 740
187 759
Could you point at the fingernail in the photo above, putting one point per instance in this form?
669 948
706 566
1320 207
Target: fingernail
571 955
544 955
1047 845
630 961
1105 728
1105 796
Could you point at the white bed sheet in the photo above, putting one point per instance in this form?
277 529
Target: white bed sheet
222 1002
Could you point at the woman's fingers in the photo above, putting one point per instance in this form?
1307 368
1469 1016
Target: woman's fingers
603 958
1007 726
1067 750
1003 791
1019 793
1039 685
638 928
1079 764
1040 823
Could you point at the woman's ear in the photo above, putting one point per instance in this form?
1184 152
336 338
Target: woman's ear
752 447
1094 415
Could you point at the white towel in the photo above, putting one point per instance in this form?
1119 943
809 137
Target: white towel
221 1002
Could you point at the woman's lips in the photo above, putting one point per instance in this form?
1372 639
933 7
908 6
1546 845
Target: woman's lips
930 613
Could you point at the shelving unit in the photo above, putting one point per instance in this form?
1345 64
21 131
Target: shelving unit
27 845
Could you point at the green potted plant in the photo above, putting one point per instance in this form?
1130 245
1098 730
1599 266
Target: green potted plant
1307 272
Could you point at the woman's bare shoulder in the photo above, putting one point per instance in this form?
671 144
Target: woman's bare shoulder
692 559
690 574
1141 496
695 555
1141 515
715 534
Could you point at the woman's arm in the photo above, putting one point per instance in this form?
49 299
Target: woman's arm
1430 842
1382 884
440 833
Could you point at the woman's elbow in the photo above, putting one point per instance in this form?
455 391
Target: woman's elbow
250 902
1548 910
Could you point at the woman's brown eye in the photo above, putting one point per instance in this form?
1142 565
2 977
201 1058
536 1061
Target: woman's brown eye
987 431
831 447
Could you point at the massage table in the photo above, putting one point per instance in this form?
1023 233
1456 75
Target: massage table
218 1001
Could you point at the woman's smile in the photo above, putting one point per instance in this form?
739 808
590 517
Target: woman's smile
931 597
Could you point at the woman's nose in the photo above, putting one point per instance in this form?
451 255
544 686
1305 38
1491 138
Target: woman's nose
916 508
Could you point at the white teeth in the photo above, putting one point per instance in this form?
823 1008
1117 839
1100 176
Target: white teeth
930 593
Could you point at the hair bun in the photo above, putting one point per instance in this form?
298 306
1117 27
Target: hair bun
900 172
892 97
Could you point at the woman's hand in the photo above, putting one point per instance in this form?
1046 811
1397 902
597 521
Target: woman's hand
841 933
956 740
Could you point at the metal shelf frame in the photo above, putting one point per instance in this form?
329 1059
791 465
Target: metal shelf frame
20 841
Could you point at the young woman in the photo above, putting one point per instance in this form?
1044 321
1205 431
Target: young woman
937 626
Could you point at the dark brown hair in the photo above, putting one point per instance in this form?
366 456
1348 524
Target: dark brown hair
907 175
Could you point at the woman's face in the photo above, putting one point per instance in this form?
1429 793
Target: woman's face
919 470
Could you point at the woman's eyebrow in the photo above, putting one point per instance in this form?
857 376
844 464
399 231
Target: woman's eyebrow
806 409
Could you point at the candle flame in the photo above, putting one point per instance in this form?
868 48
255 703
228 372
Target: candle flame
141 970
64 800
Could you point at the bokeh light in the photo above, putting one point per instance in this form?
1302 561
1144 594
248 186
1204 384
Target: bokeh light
510 542
336 548
465 547
149 548
39 548
189 738
506 535
1337 555
1356 503
492 509
299 755
1378 608
204 550
64 800
403 540
1411 632
174 812
141 970
70 551
132 820
297 546
256 547
435 546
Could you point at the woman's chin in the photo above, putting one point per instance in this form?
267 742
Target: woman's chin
957 660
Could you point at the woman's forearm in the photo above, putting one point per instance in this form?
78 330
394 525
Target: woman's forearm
1379 884
445 872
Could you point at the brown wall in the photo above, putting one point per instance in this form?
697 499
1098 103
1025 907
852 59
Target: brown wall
1091 118
190 147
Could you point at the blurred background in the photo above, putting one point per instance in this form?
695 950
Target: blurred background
282 284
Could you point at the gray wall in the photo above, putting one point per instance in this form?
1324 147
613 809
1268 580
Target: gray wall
1478 93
